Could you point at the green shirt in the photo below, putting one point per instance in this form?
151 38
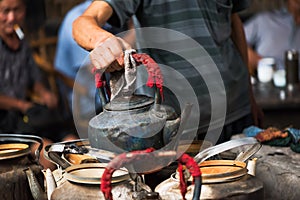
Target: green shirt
208 23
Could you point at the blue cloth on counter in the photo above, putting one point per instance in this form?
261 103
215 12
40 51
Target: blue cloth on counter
295 134
293 140
252 131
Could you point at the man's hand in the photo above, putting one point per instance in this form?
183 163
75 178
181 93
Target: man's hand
108 55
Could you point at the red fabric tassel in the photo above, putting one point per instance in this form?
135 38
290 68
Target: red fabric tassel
154 73
182 183
98 78
193 168
115 164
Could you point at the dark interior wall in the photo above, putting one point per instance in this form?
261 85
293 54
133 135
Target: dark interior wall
47 14
261 5
35 14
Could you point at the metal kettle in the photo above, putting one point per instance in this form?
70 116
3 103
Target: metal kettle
20 172
147 156
132 122
221 179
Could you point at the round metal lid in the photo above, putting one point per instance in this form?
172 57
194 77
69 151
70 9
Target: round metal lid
220 171
91 173
129 103
13 150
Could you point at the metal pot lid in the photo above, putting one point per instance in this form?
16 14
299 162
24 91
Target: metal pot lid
220 171
91 173
13 150
129 103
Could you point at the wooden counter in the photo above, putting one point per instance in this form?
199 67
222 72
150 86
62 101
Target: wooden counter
281 106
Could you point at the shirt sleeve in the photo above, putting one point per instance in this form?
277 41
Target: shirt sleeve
251 29
123 10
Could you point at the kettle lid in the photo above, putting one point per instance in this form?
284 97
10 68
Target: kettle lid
122 103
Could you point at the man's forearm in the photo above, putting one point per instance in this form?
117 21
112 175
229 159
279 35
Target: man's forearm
87 30
10 103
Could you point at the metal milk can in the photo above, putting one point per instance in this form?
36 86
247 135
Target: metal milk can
82 180
121 177
221 179
19 169
147 156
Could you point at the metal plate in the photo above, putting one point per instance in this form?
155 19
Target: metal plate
220 171
13 150
91 173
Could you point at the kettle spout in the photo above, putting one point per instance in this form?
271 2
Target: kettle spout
174 128
170 130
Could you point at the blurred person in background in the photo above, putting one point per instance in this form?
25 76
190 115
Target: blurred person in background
270 33
20 76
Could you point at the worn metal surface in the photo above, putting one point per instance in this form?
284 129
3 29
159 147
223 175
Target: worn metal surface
247 187
13 181
15 159
279 169
132 124
122 190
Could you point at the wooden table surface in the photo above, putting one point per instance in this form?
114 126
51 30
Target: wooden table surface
281 106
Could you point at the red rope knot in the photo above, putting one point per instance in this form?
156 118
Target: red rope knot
99 78
193 168
154 72
115 164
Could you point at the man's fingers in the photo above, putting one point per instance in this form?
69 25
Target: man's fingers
101 57
108 52
114 45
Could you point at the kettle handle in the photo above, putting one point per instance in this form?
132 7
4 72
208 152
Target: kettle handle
36 190
214 150
102 87
126 158
131 60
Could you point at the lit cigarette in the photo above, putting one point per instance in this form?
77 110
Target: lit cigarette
19 31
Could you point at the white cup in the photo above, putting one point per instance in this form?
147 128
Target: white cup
279 78
265 69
